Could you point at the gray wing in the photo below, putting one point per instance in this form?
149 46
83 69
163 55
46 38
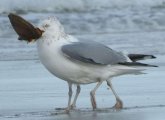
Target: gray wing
93 52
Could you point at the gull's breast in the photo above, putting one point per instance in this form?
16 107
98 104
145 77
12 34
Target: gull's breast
53 59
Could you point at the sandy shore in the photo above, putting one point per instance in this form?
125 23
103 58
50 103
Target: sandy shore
28 91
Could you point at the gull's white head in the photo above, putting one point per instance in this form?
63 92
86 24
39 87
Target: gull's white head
52 27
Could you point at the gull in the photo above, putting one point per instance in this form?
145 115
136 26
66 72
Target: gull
75 61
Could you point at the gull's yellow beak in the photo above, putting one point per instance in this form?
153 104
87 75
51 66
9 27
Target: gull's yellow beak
24 29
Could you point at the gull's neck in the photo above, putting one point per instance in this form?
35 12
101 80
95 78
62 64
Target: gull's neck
55 35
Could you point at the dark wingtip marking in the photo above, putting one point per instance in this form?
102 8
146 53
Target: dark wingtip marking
137 57
137 64
153 56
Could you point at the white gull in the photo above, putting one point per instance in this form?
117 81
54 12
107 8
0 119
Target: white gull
81 62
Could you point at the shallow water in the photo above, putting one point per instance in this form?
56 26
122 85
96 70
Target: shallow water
28 91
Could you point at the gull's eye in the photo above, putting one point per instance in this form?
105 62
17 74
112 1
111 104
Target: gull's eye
46 25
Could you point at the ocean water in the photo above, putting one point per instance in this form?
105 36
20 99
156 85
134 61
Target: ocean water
118 23
29 91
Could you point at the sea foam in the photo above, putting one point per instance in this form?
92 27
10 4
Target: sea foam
7 6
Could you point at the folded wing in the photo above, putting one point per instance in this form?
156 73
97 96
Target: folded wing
93 52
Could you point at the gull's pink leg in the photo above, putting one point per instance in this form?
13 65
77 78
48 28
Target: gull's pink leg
119 103
76 96
70 97
92 94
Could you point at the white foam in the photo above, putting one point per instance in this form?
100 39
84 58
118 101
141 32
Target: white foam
72 5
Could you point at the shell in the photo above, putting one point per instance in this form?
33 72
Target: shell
24 29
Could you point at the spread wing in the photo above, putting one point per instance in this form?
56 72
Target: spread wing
93 52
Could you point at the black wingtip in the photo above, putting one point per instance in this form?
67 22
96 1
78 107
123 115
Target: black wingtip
153 57
153 66
137 64
137 57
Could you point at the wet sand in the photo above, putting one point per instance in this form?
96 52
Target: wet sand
28 91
